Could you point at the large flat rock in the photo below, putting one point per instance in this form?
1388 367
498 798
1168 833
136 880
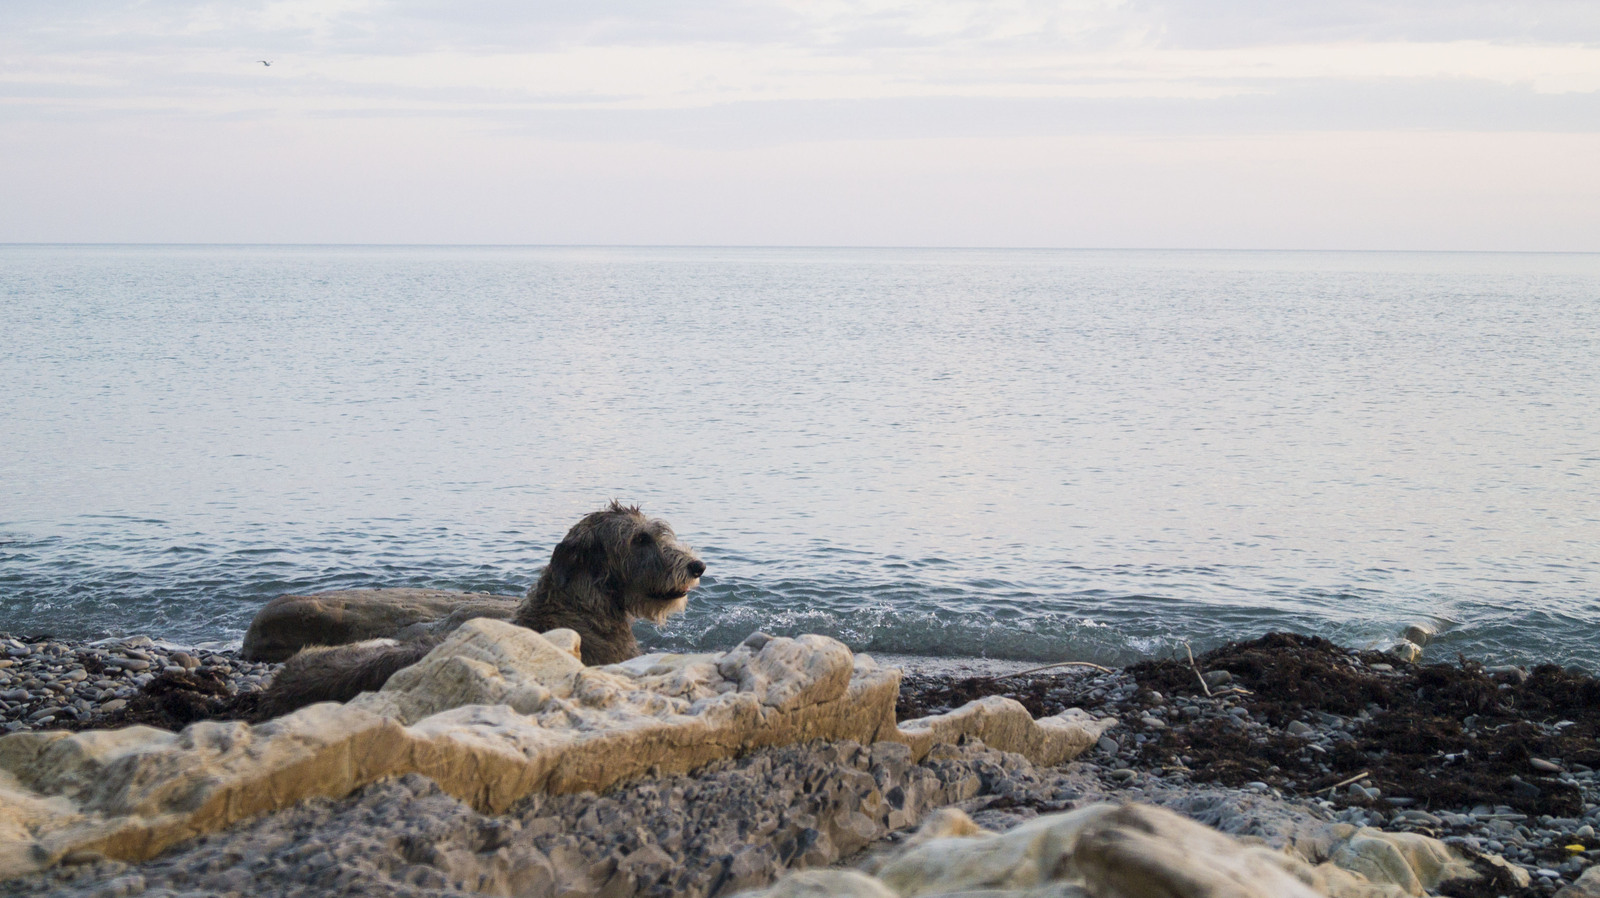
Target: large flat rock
288 624
1108 850
494 713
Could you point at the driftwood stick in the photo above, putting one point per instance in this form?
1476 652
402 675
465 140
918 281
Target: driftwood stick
1046 667
1345 782
1196 668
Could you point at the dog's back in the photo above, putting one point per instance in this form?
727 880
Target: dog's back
340 673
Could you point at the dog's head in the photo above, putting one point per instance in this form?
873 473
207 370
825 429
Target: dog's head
635 562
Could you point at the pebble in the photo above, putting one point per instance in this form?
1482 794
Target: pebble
1422 817
50 682
47 682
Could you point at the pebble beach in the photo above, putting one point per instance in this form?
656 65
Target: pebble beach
1215 739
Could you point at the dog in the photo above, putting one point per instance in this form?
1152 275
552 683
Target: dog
613 567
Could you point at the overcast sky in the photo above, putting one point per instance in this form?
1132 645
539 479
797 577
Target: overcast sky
1341 124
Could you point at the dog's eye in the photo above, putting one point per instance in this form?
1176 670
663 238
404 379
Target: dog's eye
643 538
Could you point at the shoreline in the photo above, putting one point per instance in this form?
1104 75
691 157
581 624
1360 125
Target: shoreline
1248 739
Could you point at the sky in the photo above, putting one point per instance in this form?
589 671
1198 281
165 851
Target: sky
1251 124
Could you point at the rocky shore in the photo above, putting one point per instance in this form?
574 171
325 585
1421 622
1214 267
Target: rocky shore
1259 739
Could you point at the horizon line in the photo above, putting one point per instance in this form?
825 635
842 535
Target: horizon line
789 246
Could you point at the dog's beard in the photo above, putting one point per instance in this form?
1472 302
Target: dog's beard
657 612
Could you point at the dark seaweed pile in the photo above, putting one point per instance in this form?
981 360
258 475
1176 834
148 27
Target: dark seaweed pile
172 701
1445 735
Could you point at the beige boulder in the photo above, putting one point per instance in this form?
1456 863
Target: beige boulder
494 713
288 624
1135 851
1585 886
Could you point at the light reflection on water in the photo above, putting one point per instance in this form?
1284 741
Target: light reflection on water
1028 454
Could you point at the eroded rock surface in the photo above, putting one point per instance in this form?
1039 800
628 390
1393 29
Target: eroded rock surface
1107 850
730 826
494 714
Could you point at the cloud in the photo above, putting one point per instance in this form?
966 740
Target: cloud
736 80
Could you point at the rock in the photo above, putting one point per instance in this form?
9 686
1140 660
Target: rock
494 713
1516 674
1543 766
1298 728
1419 633
1523 789
1217 678
81 856
289 623
829 884
1132 851
1421 817
1405 650
1585 886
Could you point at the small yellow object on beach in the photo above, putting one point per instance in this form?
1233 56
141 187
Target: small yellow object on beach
1577 849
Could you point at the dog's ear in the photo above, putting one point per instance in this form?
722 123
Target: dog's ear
581 554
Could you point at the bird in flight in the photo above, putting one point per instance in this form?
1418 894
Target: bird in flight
263 62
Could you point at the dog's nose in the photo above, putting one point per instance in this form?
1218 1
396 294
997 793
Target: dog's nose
696 568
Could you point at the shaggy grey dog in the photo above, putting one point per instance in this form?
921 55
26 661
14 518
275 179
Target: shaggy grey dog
613 567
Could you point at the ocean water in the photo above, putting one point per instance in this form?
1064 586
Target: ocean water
1044 455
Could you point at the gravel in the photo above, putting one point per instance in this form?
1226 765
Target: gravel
48 683
736 824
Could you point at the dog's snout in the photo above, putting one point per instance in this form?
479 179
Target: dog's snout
697 567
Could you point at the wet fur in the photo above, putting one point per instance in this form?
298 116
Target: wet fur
612 567
340 673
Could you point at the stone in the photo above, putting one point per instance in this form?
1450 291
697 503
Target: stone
1419 633
829 884
1405 650
1132 851
1585 886
288 624
494 713
1523 789
1543 766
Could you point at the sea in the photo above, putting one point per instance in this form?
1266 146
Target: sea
1034 455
